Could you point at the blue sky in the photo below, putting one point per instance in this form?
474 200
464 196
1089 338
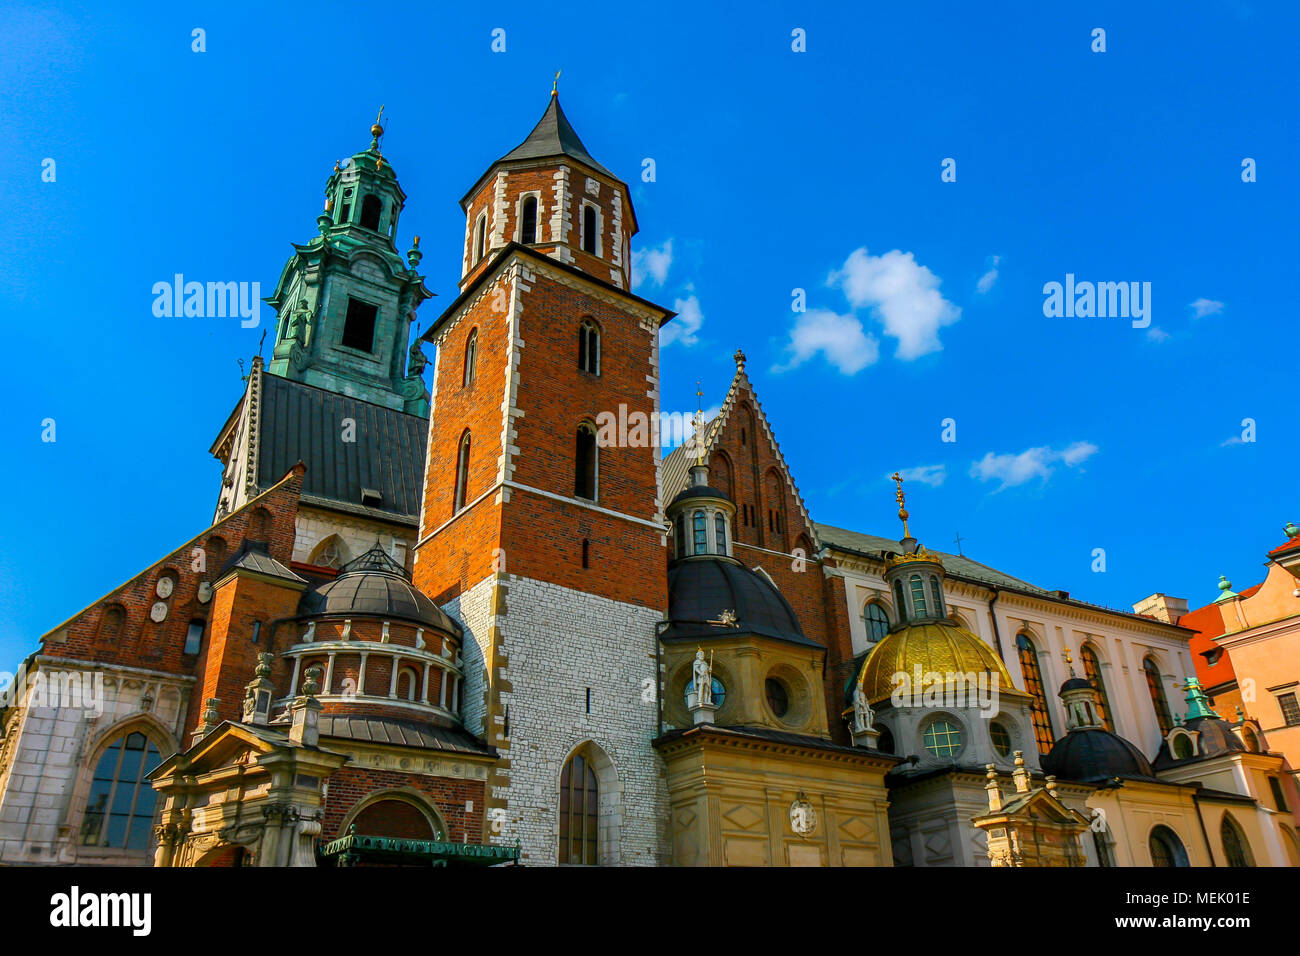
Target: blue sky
773 169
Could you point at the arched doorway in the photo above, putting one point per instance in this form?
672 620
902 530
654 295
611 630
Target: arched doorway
397 816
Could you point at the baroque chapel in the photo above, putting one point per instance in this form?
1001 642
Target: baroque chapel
436 618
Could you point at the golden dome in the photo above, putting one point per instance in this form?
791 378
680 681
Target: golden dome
935 647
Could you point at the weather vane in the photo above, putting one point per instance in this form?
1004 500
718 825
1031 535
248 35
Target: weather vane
555 83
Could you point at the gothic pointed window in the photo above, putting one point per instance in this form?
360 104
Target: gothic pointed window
720 533
372 209
1033 678
359 325
528 221
1166 849
471 358
701 533
589 347
585 465
120 808
462 473
1235 848
1092 669
1156 686
579 809
589 229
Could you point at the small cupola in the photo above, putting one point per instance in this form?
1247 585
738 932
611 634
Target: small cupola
700 516
914 575
1081 700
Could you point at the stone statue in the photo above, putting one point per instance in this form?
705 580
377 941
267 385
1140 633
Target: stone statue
702 673
416 360
863 718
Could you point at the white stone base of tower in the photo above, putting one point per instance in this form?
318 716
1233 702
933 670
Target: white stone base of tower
575 672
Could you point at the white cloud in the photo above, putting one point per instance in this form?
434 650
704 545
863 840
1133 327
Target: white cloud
652 264
1203 307
683 327
840 338
903 294
988 278
1234 440
932 475
1016 469
1157 334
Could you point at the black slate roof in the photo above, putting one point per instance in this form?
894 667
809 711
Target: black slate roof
254 556
775 736
300 422
700 589
403 733
554 136
363 591
1094 754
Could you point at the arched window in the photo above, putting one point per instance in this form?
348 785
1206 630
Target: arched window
372 208
528 221
876 622
1157 688
259 528
194 637
110 624
899 600
120 808
471 358
480 237
918 595
1251 739
407 682
1235 847
462 474
589 347
589 230
345 208
885 742
1166 849
216 552
700 530
398 819
1033 677
584 460
1092 669
937 594
330 553
1183 747
720 533
579 809
1000 738
359 325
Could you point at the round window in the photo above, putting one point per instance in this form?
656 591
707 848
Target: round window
719 692
778 698
1001 739
942 738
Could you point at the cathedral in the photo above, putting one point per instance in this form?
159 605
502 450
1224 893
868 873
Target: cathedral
441 617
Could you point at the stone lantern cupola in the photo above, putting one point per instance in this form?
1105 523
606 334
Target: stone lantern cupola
700 516
914 576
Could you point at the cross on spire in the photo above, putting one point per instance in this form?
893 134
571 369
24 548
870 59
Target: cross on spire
902 502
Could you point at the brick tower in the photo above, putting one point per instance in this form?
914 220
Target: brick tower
545 542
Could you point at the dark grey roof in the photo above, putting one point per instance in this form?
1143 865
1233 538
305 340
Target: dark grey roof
954 564
403 733
700 589
375 593
774 736
698 491
1216 739
300 422
253 556
1095 754
554 136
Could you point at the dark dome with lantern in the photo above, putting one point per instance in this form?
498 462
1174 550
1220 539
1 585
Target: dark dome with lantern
374 585
1093 754
701 590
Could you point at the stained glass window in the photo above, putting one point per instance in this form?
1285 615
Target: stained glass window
1033 677
1157 688
1093 669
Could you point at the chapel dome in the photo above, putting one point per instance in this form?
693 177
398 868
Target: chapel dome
702 589
374 585
935 646
1095 754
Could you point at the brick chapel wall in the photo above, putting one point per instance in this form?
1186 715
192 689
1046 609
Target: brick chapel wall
460 802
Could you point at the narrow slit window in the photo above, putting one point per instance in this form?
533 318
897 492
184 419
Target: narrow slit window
528 221
462 473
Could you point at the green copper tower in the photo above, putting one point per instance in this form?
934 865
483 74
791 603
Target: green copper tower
345 300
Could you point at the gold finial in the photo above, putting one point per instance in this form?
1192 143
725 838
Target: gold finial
377 130
555 84
1069 659
740 360
699 424
902 502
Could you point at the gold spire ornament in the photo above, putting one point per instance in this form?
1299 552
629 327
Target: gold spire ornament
377 130
555 84
902 502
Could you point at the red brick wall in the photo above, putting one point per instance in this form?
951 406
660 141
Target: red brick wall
447 795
